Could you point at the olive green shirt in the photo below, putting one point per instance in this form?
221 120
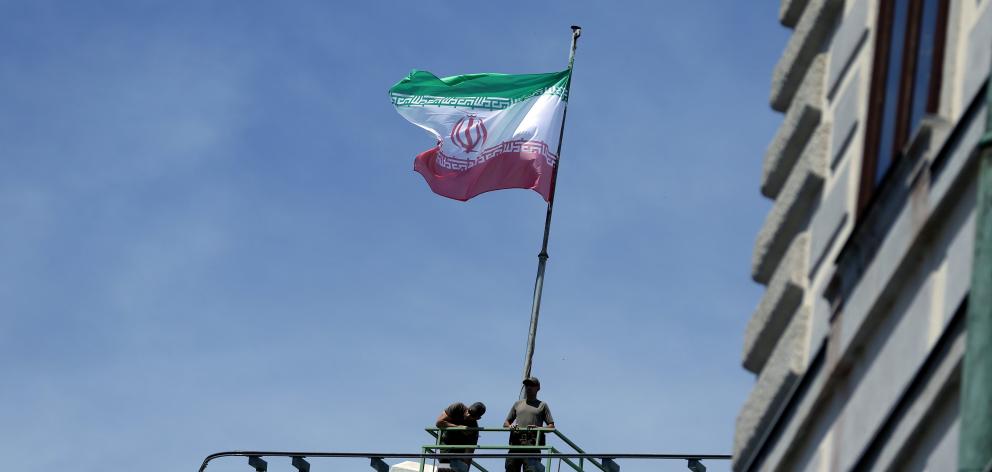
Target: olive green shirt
535 413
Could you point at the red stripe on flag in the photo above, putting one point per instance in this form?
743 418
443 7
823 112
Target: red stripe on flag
519 169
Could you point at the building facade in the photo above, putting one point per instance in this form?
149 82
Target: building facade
867 251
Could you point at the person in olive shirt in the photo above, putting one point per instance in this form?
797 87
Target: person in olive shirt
527 413
457 415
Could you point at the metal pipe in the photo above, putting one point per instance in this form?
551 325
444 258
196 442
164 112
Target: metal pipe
975 443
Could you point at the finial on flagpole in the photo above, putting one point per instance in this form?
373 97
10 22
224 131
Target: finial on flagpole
576 32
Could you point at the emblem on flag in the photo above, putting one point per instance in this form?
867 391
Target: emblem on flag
493 131
469 133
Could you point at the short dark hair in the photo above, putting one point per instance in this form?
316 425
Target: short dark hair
477 407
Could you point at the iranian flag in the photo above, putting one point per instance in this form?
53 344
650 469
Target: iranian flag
493 131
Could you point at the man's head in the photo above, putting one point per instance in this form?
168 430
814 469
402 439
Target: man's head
476 410
531 386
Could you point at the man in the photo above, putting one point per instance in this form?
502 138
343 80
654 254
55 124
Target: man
457 415
525 414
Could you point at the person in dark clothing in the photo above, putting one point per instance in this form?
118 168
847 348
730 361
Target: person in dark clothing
525 414
459 416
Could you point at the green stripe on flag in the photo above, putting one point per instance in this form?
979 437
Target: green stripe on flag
518 86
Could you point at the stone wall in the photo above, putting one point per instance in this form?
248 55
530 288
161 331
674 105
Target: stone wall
855 344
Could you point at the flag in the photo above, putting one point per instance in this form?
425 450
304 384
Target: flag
493 131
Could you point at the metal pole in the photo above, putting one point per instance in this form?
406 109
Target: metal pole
975 445
542 258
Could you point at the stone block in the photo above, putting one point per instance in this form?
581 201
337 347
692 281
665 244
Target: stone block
846 42
785 366
846 116
784 294
797 126
791 212
819 325
807 40
978 55
960 259
830 218
789 12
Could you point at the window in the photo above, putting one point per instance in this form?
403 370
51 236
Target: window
905 84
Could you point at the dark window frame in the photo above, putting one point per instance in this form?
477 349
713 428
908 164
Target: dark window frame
870 181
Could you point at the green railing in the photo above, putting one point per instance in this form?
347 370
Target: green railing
540 433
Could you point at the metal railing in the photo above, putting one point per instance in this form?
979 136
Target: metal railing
543 454
539 434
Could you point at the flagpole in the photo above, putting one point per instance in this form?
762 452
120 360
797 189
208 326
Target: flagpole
542 258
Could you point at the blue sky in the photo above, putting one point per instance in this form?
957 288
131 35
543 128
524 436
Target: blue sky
212 236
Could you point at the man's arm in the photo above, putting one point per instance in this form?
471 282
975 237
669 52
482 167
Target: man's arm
512 415
444 421
449 415
550 420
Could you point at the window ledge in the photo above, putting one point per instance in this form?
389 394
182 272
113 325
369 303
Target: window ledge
881 212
